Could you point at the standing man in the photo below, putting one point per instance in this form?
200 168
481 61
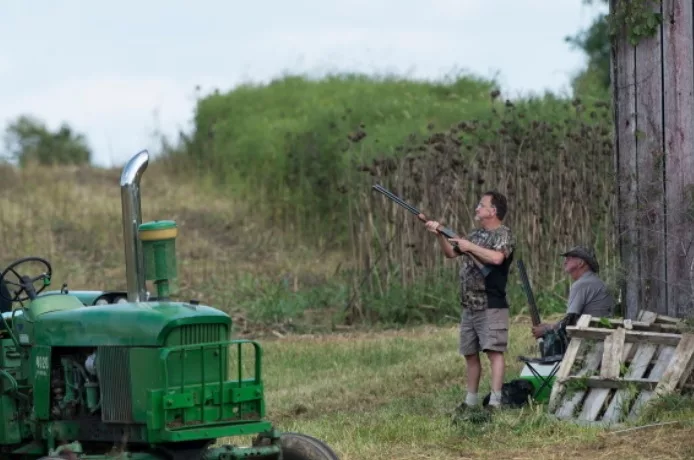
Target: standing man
588 293
484 319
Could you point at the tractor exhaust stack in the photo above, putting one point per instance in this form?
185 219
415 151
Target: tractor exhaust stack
132 218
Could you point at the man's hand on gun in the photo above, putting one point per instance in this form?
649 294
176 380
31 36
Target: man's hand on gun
540 329
462 243
432 226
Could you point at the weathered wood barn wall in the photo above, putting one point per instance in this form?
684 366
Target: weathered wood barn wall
653 90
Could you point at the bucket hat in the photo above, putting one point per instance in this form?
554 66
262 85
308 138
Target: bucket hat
586 254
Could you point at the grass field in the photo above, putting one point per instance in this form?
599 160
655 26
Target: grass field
227 256
387 395
370 394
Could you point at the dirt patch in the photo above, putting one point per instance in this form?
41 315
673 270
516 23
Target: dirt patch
667 442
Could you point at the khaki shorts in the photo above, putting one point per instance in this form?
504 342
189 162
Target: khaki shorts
483 330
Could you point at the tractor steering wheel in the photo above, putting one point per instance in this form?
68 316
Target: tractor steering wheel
26 283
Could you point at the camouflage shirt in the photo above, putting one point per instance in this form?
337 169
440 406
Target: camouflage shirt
474 292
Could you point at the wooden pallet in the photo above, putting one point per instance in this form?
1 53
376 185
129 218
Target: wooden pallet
613 368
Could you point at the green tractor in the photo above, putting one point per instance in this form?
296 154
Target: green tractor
104 375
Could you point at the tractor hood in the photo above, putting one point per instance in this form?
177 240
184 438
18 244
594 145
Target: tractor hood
126 324
93 297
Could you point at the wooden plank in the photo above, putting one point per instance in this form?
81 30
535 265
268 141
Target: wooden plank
647 317
661 364
601 383
638 367
624 102
663 319
680 366
609 371
635 325
657 338
651 167
569 403
612 354
566 364
595 400
677 365
678 84
628 352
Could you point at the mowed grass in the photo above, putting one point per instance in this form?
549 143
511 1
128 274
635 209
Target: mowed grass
370 395
388 396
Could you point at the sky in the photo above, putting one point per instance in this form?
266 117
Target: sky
118 71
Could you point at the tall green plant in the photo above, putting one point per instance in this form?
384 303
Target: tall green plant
552 159
286 147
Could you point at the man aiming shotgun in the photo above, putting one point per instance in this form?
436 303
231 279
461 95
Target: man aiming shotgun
446 232
483 277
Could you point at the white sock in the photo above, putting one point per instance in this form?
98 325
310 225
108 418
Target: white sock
495 398
471 399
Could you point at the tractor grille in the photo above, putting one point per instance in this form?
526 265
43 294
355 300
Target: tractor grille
114 373
193 334
195 364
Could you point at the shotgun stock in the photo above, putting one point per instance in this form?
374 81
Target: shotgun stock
532 306
534 312
447 232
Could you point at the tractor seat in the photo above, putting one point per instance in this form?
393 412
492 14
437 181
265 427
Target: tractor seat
5 305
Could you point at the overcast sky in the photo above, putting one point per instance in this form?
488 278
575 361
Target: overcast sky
115 71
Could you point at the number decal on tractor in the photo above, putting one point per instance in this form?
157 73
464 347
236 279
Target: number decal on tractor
42 365
42 362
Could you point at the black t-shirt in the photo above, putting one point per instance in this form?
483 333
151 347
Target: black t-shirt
492 289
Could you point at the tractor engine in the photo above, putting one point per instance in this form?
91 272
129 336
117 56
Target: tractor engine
74 384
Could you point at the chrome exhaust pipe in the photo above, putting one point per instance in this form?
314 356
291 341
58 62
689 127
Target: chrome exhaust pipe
132 218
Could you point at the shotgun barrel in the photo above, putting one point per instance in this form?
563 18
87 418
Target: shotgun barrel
447 232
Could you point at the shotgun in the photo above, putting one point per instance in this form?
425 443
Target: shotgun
532 306
448 233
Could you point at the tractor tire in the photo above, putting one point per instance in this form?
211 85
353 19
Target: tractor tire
297 446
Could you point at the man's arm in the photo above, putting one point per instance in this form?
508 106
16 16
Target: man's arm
575 305
570 319
489 256
500 250
447 248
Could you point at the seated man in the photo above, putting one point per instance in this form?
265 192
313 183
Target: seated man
588 293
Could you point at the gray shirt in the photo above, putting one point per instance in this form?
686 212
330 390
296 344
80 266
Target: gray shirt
589 295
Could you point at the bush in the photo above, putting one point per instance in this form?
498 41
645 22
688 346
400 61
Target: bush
286 147
305 153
